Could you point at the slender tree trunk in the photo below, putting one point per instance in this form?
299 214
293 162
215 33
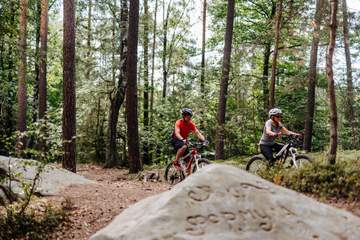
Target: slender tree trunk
131 90
265 77
21 126
88 42
2 83
153 65
112 156
331 86
164 54
69 109
146 156
43 53
98 132
266 64
2 69
350 115
224 81
113 45
309 119
202 77
37 61
170 50
276 52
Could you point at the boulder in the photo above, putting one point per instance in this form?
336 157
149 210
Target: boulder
52 179
224 202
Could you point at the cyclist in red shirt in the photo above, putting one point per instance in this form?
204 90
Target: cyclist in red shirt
183 127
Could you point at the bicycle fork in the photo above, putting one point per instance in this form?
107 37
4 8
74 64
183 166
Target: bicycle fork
293 153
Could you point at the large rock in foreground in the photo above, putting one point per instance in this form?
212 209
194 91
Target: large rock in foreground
223 202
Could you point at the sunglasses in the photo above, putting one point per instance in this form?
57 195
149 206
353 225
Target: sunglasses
278 116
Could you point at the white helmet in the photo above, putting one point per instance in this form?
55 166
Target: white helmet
274 111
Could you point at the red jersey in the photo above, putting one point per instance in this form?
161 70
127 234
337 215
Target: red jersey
185 128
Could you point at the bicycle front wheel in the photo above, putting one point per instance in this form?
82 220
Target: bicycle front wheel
256 164
173 175
201 163
302 160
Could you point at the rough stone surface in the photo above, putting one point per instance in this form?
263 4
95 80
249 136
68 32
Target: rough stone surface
52 179
224 202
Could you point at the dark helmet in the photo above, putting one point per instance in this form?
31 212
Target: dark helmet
274 111
186 111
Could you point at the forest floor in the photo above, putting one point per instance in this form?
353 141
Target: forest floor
92 207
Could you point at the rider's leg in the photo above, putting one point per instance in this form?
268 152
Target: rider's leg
267 151
178 147
180 152
277 147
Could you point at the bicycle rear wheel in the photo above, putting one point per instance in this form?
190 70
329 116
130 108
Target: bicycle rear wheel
256 164
173 175
202 163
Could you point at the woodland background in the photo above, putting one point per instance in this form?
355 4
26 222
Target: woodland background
123 103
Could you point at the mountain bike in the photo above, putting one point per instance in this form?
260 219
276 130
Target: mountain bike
288 156
188 164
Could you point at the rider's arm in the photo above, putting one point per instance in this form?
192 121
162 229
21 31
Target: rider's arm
199 135
268 129
285 131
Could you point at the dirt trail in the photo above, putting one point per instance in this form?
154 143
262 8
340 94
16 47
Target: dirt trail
93 206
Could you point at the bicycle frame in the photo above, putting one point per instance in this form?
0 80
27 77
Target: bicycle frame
284 152
187 160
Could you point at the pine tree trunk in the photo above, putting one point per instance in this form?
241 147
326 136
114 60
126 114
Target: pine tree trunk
276 52
88 43
2 83
164 53
224 81
331 158
21 126
309 119
202 77
146 156
69 110
113 44
22 66
131 90
37 64
153 65
350 115
266 64
265 77
112 156
43 54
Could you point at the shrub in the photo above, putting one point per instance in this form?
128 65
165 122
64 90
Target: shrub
340 180
30 224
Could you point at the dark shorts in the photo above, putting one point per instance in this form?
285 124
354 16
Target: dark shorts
177 143
268 150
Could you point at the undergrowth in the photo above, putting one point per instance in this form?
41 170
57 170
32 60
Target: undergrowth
34 225
340 180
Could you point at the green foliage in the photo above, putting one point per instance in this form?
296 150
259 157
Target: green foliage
97 73
29 225
340 180
17 220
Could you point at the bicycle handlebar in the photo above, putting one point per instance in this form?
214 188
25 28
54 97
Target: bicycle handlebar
198 144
